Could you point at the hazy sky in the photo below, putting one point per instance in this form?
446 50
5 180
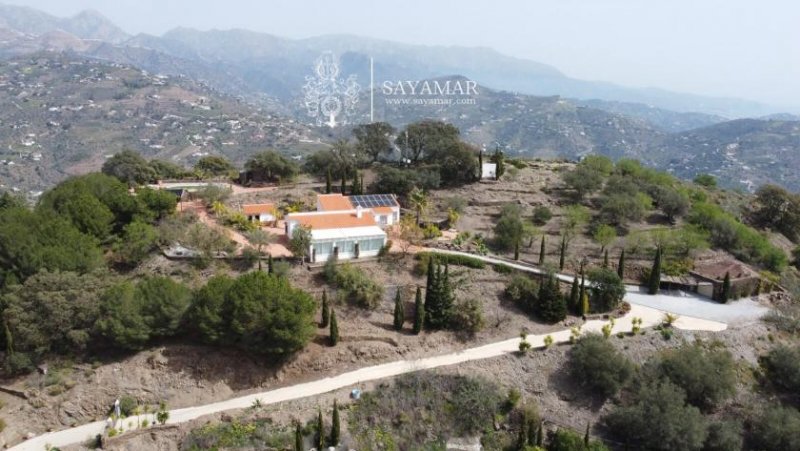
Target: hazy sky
737 48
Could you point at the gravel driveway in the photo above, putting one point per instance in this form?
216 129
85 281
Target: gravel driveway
690 304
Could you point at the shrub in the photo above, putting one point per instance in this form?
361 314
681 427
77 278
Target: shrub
778 428
569 440
551 306
431 231
541 215
724 436
596 364
127 406
357 286
656 417
607 289
707 375
523 291
782 367
467 316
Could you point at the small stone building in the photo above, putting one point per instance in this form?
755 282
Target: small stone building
744 279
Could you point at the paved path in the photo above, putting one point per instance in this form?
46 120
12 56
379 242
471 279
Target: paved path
650 317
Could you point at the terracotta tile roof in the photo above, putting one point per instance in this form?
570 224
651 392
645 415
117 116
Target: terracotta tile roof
333 220
334 202
257 209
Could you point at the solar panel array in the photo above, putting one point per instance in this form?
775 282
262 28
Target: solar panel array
373 200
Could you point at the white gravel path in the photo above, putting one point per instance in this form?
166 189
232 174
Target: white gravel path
650 317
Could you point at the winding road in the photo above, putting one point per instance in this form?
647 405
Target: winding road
650 317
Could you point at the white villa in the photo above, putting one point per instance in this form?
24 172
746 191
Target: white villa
346 226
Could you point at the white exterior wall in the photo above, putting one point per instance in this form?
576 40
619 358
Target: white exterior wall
263 217
488 171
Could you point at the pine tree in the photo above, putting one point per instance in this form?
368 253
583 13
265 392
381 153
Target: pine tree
541 252
298 438
320 431
726 288
328 181
326 310
605 259
562 258
551 307
334 334
574 297
419 312
655 274
270 268
399 312
621 265
335 428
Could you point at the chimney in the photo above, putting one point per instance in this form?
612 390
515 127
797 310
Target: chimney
358 211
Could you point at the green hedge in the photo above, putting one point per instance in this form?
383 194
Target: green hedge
424 259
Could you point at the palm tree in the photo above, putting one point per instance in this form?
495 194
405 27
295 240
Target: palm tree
418 200
218 208
260 239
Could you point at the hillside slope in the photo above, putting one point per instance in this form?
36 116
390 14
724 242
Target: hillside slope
66 114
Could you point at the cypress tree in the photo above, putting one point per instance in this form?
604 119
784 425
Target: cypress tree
522 438
726 288
399 312
419 312
605 259
448 298
270 268
586 437
354 189
585 304
320 431
361 185
621 265
439 299
480 165
298 438
541 252
9 339
540 436
334 335
583 285
563 256
655 274
326 311
328 181
516 250
335 428
344 181
574 297
429 282
531 430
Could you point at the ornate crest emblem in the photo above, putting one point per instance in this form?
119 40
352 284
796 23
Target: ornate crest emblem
329 99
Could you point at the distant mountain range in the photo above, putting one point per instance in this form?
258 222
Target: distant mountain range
256 79
275 67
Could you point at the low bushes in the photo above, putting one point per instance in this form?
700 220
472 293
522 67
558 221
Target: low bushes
424 258
596 364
